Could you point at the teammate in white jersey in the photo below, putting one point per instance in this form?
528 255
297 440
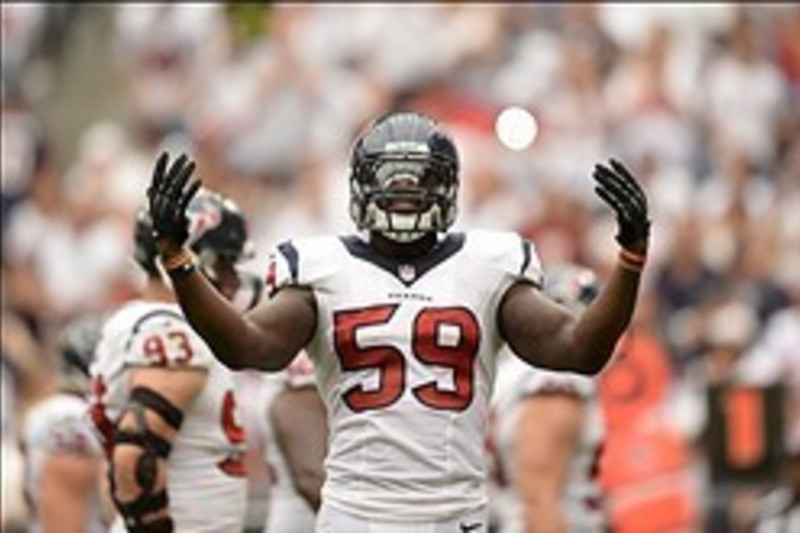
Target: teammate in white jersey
63 460
546 436
165 407
403 323
295 433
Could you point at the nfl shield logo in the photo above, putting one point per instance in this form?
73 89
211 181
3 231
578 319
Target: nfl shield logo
406 272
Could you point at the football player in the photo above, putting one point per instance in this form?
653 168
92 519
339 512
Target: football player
546 435
165 407
63 460
403 322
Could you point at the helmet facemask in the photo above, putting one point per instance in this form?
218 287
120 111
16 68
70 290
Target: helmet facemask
404 195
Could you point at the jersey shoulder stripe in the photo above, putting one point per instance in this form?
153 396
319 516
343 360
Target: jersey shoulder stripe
526 256
289 252
299 262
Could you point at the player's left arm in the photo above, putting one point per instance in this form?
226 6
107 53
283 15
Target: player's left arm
144 438
546 436
547 334
69 482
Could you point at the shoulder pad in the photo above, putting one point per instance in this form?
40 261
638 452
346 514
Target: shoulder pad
72 436
506 251
163 338
299 263
59 425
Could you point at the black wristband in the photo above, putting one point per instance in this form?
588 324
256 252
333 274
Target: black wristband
183 270
160 525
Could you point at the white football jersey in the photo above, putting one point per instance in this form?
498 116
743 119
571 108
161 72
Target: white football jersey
516 380
288 512
205 464
58 425
404 355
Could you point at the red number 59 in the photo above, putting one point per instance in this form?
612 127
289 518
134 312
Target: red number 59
426 346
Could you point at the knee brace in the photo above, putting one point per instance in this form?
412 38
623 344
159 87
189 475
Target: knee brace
146 471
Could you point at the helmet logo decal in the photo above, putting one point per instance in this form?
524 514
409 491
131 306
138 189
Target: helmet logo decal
204 221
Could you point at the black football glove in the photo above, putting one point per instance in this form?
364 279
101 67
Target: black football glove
169 195
618 188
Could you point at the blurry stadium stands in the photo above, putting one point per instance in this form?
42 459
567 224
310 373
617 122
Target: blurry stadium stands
703 102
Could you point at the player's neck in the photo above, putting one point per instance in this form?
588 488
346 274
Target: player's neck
402 250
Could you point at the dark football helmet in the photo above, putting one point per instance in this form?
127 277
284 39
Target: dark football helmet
217 234
572 285
76 346
404 177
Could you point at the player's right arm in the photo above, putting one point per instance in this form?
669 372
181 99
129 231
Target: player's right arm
266 338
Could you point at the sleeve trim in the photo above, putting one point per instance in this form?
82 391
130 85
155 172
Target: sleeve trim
288 250
526 256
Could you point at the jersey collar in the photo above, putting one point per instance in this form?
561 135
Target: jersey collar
406 271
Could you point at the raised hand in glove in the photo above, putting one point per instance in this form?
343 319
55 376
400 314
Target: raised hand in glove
169 195
618 188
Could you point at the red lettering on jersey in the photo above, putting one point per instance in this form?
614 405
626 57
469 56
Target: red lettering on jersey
428 345
155 348
233 465
429 348
388 360
183 345
97 412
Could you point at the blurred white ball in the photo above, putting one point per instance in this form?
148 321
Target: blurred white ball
516 128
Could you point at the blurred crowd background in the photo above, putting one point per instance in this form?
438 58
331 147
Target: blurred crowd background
702 102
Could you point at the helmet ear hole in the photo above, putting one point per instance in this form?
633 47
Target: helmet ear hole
408 143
